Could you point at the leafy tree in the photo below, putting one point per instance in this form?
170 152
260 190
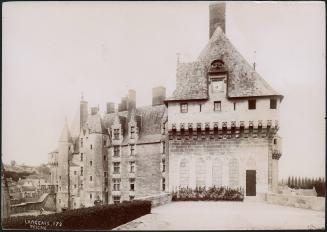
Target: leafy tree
289 182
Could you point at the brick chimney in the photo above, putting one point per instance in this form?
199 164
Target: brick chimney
216 17
94 110
131 99
110 107
158 95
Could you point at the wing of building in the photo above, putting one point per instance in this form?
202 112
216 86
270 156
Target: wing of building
219 127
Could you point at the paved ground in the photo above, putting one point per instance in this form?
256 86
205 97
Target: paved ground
226 215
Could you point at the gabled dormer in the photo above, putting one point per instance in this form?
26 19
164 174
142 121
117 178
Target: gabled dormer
133 130
116 131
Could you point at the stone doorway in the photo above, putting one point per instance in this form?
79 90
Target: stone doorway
250 182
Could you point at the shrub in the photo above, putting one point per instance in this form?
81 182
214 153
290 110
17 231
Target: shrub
98 217
211 194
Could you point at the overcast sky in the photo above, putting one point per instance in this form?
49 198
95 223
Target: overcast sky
52 51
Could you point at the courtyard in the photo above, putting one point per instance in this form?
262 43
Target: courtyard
201 215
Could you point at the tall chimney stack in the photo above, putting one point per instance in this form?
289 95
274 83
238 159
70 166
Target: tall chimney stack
131 99
216 17
83 109
158 95
110 107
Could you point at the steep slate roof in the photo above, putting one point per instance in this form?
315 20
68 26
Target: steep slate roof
243 80
148 119
96 124
65 134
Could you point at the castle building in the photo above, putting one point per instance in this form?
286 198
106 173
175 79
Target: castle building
219 128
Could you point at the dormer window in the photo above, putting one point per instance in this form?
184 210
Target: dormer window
184 107
116 134
132 132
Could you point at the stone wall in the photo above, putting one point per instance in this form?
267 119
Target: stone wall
224 162
156 200
306 202
147 172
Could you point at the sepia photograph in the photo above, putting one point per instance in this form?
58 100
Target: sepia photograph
150 115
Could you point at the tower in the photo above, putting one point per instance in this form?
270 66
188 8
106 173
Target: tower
83 112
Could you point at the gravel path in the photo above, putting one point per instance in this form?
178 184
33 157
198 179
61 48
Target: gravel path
226 215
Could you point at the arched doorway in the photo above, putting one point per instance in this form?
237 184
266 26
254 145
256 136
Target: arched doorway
251 174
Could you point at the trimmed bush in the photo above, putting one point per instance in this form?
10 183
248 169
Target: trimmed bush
98 217
210 194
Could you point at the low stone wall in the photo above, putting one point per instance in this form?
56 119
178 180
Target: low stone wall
157 200
306 202
47 202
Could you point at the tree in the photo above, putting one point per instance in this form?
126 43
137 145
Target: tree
292 182
306 186
289 182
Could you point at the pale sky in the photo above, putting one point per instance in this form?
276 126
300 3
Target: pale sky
52 51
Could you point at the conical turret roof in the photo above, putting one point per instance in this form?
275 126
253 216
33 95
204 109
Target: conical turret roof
65 134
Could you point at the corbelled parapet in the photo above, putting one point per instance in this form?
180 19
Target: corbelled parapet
221 130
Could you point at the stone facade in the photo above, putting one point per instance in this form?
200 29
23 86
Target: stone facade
219 128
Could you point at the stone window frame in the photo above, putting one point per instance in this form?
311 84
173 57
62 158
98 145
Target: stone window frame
132 183
252 104
116 199
105 174
91 178
163 164
163 184
163 147
273 103
132 149
116 151
217 106
82 157
132 132
91 163
132 167
116 184
81 171
116 167
116 134
184 110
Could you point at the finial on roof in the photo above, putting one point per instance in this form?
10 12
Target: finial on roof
178 57
254 64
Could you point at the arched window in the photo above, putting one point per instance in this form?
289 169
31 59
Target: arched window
184 173
200 171
217 170
233 172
